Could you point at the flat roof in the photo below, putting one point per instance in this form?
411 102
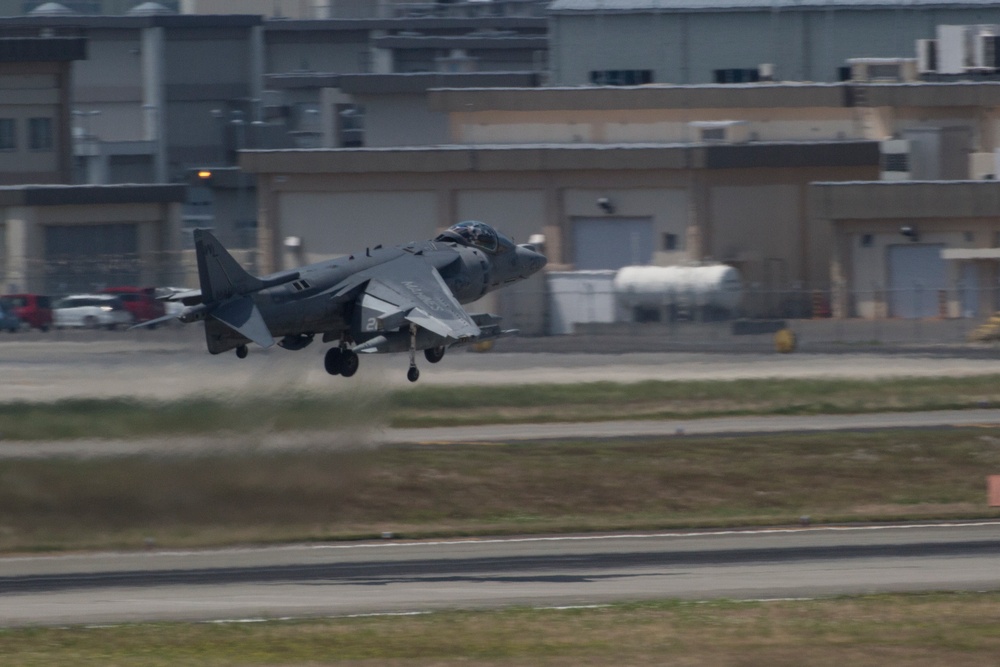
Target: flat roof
613 6
75 195
562 157
415 23
853 201
135 22
419 82
718 96
469 42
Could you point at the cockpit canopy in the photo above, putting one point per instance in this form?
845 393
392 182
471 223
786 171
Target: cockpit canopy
477 235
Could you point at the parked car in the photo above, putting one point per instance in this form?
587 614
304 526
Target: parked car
34 309
174 308
8 320
140 301
91 311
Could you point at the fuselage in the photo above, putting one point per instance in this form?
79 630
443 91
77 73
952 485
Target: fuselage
320 300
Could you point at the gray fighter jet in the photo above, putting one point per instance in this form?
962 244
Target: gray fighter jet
404 298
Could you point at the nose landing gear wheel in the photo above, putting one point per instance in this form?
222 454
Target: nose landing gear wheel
242 352
413 374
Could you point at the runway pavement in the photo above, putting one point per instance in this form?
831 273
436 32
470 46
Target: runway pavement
173 364
393 577
390 577
609 430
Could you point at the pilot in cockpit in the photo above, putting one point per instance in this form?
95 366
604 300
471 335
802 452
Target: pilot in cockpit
473 233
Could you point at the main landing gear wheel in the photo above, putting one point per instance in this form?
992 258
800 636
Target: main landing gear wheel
333 361
242 352
434 354
413 374
349 363
339 361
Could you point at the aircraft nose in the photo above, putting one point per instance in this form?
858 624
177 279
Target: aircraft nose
529 260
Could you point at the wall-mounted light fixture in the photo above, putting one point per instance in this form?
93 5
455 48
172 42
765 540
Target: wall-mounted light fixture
910 232
606 205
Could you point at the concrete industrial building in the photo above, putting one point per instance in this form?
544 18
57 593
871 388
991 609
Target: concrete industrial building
35 140
55 237
58 239
426 127
706 41
691 173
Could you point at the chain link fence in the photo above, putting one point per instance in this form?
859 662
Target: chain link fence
543 306
909 316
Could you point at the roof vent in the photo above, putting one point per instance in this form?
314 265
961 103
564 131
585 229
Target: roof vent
51 9
149 9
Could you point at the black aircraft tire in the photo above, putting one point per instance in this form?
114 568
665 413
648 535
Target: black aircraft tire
434 354
349 364
334 361
242 352
413 374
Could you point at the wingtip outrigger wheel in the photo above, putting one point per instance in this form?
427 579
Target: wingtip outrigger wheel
413 374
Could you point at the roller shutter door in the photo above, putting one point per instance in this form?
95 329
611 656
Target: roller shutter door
85 258
611 243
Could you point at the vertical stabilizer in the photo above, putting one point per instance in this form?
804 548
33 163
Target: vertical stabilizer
220 274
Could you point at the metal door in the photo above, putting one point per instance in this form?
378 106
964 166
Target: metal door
917 274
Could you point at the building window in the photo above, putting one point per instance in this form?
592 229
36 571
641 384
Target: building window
867 240
8 134
670 241
350 126
40 134
737 75
621 77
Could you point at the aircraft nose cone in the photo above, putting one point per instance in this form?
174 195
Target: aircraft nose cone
530 260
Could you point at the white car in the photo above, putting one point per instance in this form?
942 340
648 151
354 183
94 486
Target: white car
90 311
174 308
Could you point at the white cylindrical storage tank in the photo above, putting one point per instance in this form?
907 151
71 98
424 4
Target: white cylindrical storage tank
681 291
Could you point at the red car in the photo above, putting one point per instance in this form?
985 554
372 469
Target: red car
140 301
34 309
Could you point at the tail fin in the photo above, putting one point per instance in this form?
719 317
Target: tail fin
220 275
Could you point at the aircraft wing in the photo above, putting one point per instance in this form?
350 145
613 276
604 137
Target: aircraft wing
410 290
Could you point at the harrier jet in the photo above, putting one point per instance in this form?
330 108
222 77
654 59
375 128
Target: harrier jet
399 299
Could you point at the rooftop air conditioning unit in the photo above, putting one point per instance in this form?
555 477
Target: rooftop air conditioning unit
721 131
895 160
927 56
987 52
885 70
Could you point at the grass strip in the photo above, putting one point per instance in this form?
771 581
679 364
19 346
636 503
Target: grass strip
424 491
958 630
455 406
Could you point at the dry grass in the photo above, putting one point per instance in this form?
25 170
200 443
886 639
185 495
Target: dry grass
876 631
443 406
495 489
